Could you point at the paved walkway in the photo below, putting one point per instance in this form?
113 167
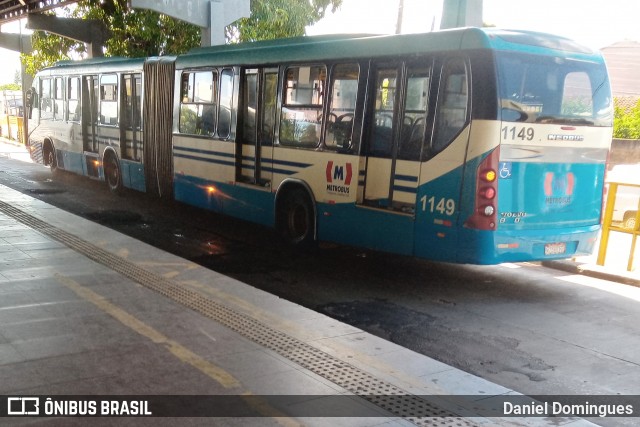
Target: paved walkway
85 310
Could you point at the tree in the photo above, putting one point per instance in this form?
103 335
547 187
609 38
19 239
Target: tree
10 86
626 120
137 32
134 33
274 19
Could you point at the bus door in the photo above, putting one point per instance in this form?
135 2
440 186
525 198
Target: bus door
254 151
394 144
90 113
441 194
131 117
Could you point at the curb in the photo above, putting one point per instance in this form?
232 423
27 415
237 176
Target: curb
592 270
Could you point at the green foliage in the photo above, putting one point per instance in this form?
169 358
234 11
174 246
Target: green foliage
47 50
10 86
134 33
626 121
140 33
273 19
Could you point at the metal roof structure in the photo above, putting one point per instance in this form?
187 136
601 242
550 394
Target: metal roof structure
11 10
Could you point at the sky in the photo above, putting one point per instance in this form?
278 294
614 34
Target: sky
594 23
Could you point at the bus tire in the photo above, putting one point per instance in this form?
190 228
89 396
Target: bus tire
112 173
297 219
49 157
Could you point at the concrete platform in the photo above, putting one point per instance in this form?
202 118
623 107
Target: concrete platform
85 310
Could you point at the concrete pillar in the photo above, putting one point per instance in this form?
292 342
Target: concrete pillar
211 15
461 13
90 31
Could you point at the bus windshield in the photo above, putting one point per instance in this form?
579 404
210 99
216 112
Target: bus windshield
547 89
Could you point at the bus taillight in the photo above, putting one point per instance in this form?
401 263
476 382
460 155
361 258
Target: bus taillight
485 211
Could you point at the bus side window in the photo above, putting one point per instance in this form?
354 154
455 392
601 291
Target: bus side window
269 103
250 107
73 99
577 95
58 94
46 102
109 100
131 101
302 110
381 141
451 113
415 112
226 96
198 95
342 106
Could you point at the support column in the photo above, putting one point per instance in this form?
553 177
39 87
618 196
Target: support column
90 31
211 15
461 13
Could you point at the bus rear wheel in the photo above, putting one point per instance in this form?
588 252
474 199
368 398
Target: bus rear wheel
112 174
297 219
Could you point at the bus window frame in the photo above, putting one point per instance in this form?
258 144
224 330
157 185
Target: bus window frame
76 116
354 142
428 63
189 101
440 67
229 129
283 105
58 98
104 80
46 100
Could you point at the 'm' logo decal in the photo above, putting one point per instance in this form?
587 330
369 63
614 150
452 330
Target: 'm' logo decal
337 173
339 178
558 189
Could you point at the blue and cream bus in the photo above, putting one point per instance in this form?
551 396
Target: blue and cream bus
469 145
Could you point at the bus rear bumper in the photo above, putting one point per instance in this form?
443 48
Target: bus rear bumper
526 245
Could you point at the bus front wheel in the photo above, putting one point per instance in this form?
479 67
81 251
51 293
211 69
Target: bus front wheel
112 174
50 158
297 219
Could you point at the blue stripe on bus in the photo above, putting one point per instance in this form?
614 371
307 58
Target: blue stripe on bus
271 169
205 159
412 190
408 178
201 151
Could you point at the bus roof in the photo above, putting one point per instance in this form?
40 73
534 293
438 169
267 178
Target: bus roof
304 49
95 65
347 46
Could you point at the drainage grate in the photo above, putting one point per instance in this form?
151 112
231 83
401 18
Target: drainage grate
45 191
380 393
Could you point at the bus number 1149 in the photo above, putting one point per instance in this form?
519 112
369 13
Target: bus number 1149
442 206
513 132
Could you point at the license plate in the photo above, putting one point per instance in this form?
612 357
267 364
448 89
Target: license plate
555 248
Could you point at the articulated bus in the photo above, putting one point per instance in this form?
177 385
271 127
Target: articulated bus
469 145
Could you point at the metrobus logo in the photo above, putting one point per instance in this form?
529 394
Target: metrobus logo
339 178
558 189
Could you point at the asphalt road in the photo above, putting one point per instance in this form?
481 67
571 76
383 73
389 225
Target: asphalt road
526 327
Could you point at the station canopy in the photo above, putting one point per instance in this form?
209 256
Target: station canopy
12 10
